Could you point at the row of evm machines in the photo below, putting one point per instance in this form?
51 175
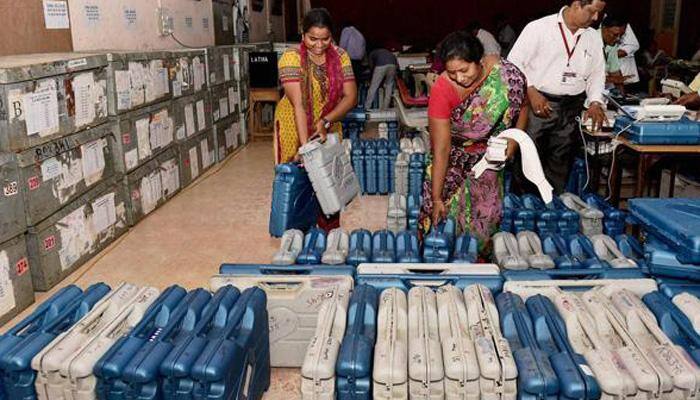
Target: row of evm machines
525 253
454 332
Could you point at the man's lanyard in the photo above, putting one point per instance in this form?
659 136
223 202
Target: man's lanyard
569 52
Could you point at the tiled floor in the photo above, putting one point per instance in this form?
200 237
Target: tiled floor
221 218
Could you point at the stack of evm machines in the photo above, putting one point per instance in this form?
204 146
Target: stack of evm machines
136 342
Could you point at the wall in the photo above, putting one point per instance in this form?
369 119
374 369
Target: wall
425 23
113 30
23 30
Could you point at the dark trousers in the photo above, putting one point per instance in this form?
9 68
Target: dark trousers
557 139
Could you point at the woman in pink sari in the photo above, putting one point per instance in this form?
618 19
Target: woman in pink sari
476 97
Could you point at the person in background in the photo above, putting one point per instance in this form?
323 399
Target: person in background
383 64
491 46
611 30
691 100
563 60
352 40
504 33
319 89
476 97
628 47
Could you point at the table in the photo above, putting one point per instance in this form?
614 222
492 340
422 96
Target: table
271 95
649 155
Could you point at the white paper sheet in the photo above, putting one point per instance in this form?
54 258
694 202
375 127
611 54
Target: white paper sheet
151 192
136 78
131 159
231 100
228 133
227 67
189 119
50 169
198 69
41 109
142 138
180 133
170 176
104 213
84 101
56 14
93 160
204 149
201 117
7 290
223 107
194 162
76 238
123 82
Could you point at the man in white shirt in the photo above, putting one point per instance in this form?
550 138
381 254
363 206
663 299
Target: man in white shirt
628 46
562 58
491 46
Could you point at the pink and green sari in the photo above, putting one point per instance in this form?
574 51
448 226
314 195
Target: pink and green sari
490 109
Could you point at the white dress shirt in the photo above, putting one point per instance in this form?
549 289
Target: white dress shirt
541 55
489 42
628 65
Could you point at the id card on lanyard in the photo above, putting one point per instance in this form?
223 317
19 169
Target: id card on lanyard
569 76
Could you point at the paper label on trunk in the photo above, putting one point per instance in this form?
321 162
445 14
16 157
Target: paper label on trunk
194 162
227 67
206 159
77 238
50 169
123 86
83 90
131 159
201 117
7 290
142 138
104 213
93 161
151 192
223 107
189 120
41 109
170 176
231 100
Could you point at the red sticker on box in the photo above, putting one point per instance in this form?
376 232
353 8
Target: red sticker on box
22 266
33 182
126 138
49 242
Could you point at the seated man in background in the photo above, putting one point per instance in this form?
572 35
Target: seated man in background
383 64
612 29
691 100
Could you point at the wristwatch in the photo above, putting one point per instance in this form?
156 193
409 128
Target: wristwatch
326 123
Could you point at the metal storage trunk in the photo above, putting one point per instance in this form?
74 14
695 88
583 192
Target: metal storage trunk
152 184
182 66
224 101
55 173
227 133
13 221
47 96
138 79
142 134
16 290
191 115
223 22
241 53
66 240
220 65
196 155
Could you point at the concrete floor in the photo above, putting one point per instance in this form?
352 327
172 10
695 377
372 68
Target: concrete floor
221 218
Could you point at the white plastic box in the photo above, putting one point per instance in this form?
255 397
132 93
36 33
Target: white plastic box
331 173
396 213
390 372
318 370
425 365
293 306
290 247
